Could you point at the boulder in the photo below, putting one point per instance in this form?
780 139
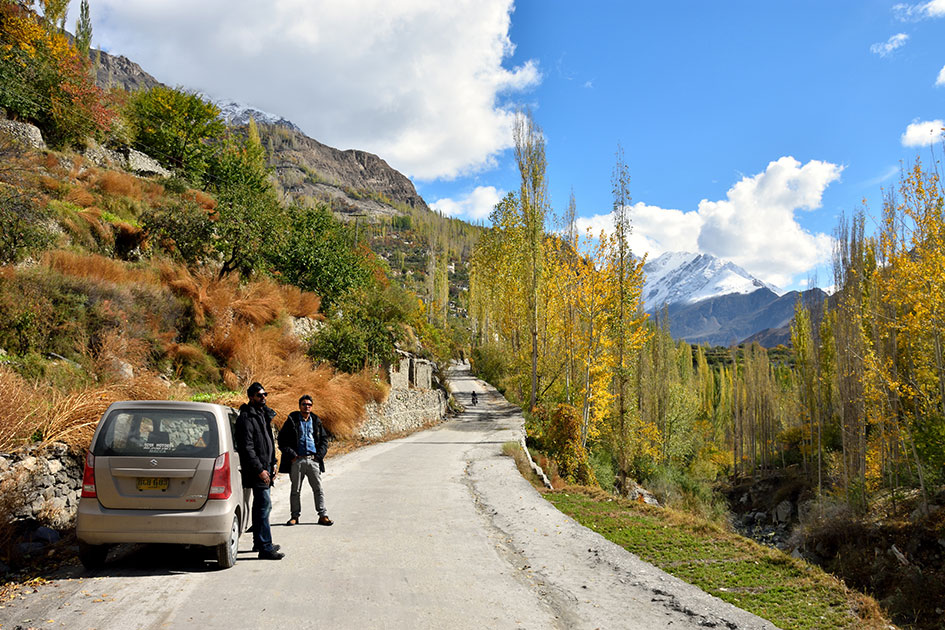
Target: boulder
23 133
782 513
141 164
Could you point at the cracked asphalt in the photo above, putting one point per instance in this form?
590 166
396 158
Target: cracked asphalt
435 530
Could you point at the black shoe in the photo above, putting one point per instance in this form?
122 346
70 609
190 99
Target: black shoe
274 547
272 554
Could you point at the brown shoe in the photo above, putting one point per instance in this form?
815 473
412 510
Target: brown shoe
324 520
291 522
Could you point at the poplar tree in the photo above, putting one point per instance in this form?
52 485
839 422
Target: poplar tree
83 29
533 202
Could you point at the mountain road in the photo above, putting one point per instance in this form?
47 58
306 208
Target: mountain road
434 530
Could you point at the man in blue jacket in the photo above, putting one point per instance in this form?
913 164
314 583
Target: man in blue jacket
303 441
258 465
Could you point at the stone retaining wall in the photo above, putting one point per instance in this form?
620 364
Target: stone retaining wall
404 410
41 485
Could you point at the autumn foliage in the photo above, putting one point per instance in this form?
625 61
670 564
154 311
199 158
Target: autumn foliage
44 79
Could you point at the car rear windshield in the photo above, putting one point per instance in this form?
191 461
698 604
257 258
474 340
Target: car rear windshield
150 432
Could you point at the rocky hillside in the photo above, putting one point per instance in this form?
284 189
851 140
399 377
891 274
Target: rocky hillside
356 183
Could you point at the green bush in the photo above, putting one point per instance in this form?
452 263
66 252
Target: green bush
183 229
316 255
362 331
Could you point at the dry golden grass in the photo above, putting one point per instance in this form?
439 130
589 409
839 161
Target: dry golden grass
38 411
93 216
80 197
115 346
119 183
97 267
300 303
50 185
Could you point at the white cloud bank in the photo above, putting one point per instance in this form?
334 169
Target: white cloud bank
884 48
923 133
475 206
915 12
419 83
754 226
941 77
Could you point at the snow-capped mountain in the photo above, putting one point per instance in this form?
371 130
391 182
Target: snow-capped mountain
234 113
687 278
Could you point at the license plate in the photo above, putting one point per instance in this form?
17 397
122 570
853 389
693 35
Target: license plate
153 483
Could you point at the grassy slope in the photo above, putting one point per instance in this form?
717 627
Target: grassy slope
790 593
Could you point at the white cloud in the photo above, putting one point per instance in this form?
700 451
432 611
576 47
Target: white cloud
941 77
896 41
419 83
475 206
754 226
915 12
923 133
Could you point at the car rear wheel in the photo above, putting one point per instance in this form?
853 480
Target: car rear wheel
92 556
226 552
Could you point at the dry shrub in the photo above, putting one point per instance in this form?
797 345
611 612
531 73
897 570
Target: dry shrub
93 216
223 341
116 347
128 237
50 185
182 283
97 267
300 303
225 301
50 161
202 199
118 183
17 413
71 418
81 197
90 174
152 191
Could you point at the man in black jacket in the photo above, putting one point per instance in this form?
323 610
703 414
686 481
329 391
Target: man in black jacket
258 465
304 442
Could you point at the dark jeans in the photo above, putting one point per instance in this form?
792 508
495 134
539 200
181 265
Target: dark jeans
262 506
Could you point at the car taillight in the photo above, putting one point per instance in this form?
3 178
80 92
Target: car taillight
220 484
88 477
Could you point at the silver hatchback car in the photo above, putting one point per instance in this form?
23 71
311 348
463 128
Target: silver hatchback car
162 472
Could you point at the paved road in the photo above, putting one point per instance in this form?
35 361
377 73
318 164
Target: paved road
436 530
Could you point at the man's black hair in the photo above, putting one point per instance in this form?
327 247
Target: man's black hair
306 397
254 389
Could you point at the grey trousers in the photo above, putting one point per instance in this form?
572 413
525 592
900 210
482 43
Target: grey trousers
306 468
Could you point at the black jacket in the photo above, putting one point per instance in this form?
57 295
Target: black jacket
289 440
254 444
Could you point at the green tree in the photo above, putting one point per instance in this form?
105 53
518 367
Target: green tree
22 220
183 229
83 29
176 127
249 222
316 255
533 200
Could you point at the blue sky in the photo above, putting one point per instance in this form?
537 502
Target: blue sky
748 127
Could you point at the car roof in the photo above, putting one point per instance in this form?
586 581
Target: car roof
169 404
